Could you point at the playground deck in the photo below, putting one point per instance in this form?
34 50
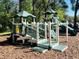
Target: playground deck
24 52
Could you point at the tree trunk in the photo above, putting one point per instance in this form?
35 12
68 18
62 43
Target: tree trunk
75 16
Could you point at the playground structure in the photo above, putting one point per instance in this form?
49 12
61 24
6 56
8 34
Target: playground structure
45 35
30 38
39 36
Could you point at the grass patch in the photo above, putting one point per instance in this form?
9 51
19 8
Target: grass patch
5 33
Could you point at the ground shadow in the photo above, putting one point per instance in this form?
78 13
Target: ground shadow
18 43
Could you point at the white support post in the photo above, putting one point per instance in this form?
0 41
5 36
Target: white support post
32 31
34 20
13 25
23 28
21 19
13 41
37 32
45 31
27 24
25 20
57 32
22 25
67 31
27 28
67 37
49 31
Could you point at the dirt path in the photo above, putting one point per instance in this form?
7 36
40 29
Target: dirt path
22 52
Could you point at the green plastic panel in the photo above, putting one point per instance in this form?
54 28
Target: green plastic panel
39 49
60 47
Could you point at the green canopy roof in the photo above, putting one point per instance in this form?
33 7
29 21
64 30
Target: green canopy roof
25 14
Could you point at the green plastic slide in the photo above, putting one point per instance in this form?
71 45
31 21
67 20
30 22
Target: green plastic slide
71 31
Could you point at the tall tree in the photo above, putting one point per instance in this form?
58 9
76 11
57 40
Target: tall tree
75 7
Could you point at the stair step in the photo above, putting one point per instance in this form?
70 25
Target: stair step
42 41
47 45
44 45
39 49
54 45
60 47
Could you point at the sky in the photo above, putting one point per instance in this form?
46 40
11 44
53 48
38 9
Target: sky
69 12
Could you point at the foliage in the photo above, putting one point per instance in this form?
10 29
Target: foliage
40 6
27 5
5 14
59 9
61 14
8 9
